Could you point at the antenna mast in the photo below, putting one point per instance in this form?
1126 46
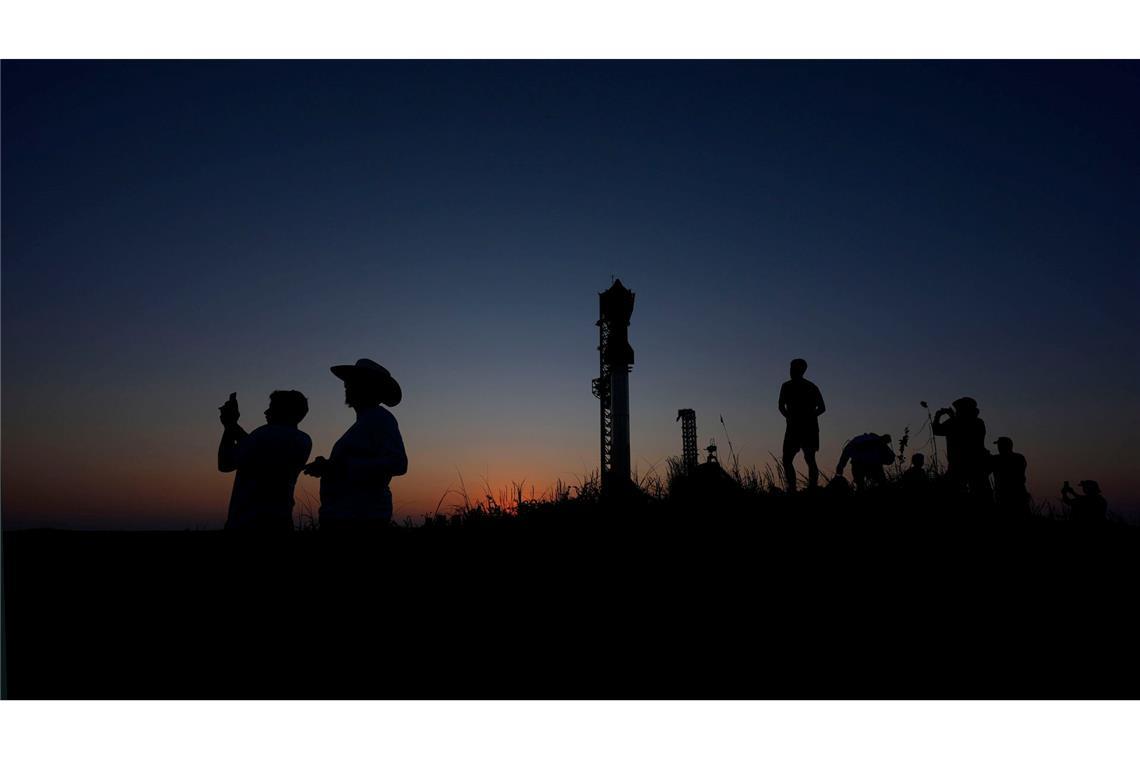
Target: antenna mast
688 420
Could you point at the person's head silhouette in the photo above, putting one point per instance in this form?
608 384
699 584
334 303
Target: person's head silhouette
1004 445
798 368
1090 487
367 385
286 408
918 460
966 407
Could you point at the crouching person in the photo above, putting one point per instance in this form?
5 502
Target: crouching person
868 453
355 479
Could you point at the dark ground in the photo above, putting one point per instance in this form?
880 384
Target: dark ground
622 602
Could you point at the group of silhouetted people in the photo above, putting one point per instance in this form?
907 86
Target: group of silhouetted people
970 465
355 477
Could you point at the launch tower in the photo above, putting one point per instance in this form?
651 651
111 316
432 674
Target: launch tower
611 387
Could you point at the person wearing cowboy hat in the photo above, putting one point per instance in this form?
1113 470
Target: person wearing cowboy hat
355 478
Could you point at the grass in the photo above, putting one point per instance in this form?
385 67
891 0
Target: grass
737 495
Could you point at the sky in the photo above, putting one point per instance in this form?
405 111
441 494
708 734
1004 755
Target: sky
917 231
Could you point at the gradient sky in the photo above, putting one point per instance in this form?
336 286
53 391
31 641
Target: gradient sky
175 231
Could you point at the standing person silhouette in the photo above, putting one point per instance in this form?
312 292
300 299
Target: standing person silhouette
267 461
356 476
965 446
801 403
1008 469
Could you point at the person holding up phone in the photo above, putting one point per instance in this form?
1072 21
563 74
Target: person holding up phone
267 462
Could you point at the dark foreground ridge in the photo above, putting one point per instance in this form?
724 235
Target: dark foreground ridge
811 594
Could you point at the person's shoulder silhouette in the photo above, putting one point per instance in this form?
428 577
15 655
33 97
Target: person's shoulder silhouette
800 398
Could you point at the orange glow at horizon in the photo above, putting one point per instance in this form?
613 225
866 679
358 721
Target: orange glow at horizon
106 491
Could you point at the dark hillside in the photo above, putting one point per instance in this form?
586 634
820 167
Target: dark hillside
752 595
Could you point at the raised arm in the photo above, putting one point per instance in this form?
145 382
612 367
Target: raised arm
937 426
232 435
229 450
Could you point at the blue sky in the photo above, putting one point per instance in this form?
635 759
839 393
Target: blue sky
174 231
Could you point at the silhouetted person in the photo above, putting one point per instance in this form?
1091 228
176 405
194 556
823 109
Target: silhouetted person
1008 468
267 461
965 446
801 403
915 475
356 476
868 453
1088 508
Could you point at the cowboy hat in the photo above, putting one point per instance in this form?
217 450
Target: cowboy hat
371 373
